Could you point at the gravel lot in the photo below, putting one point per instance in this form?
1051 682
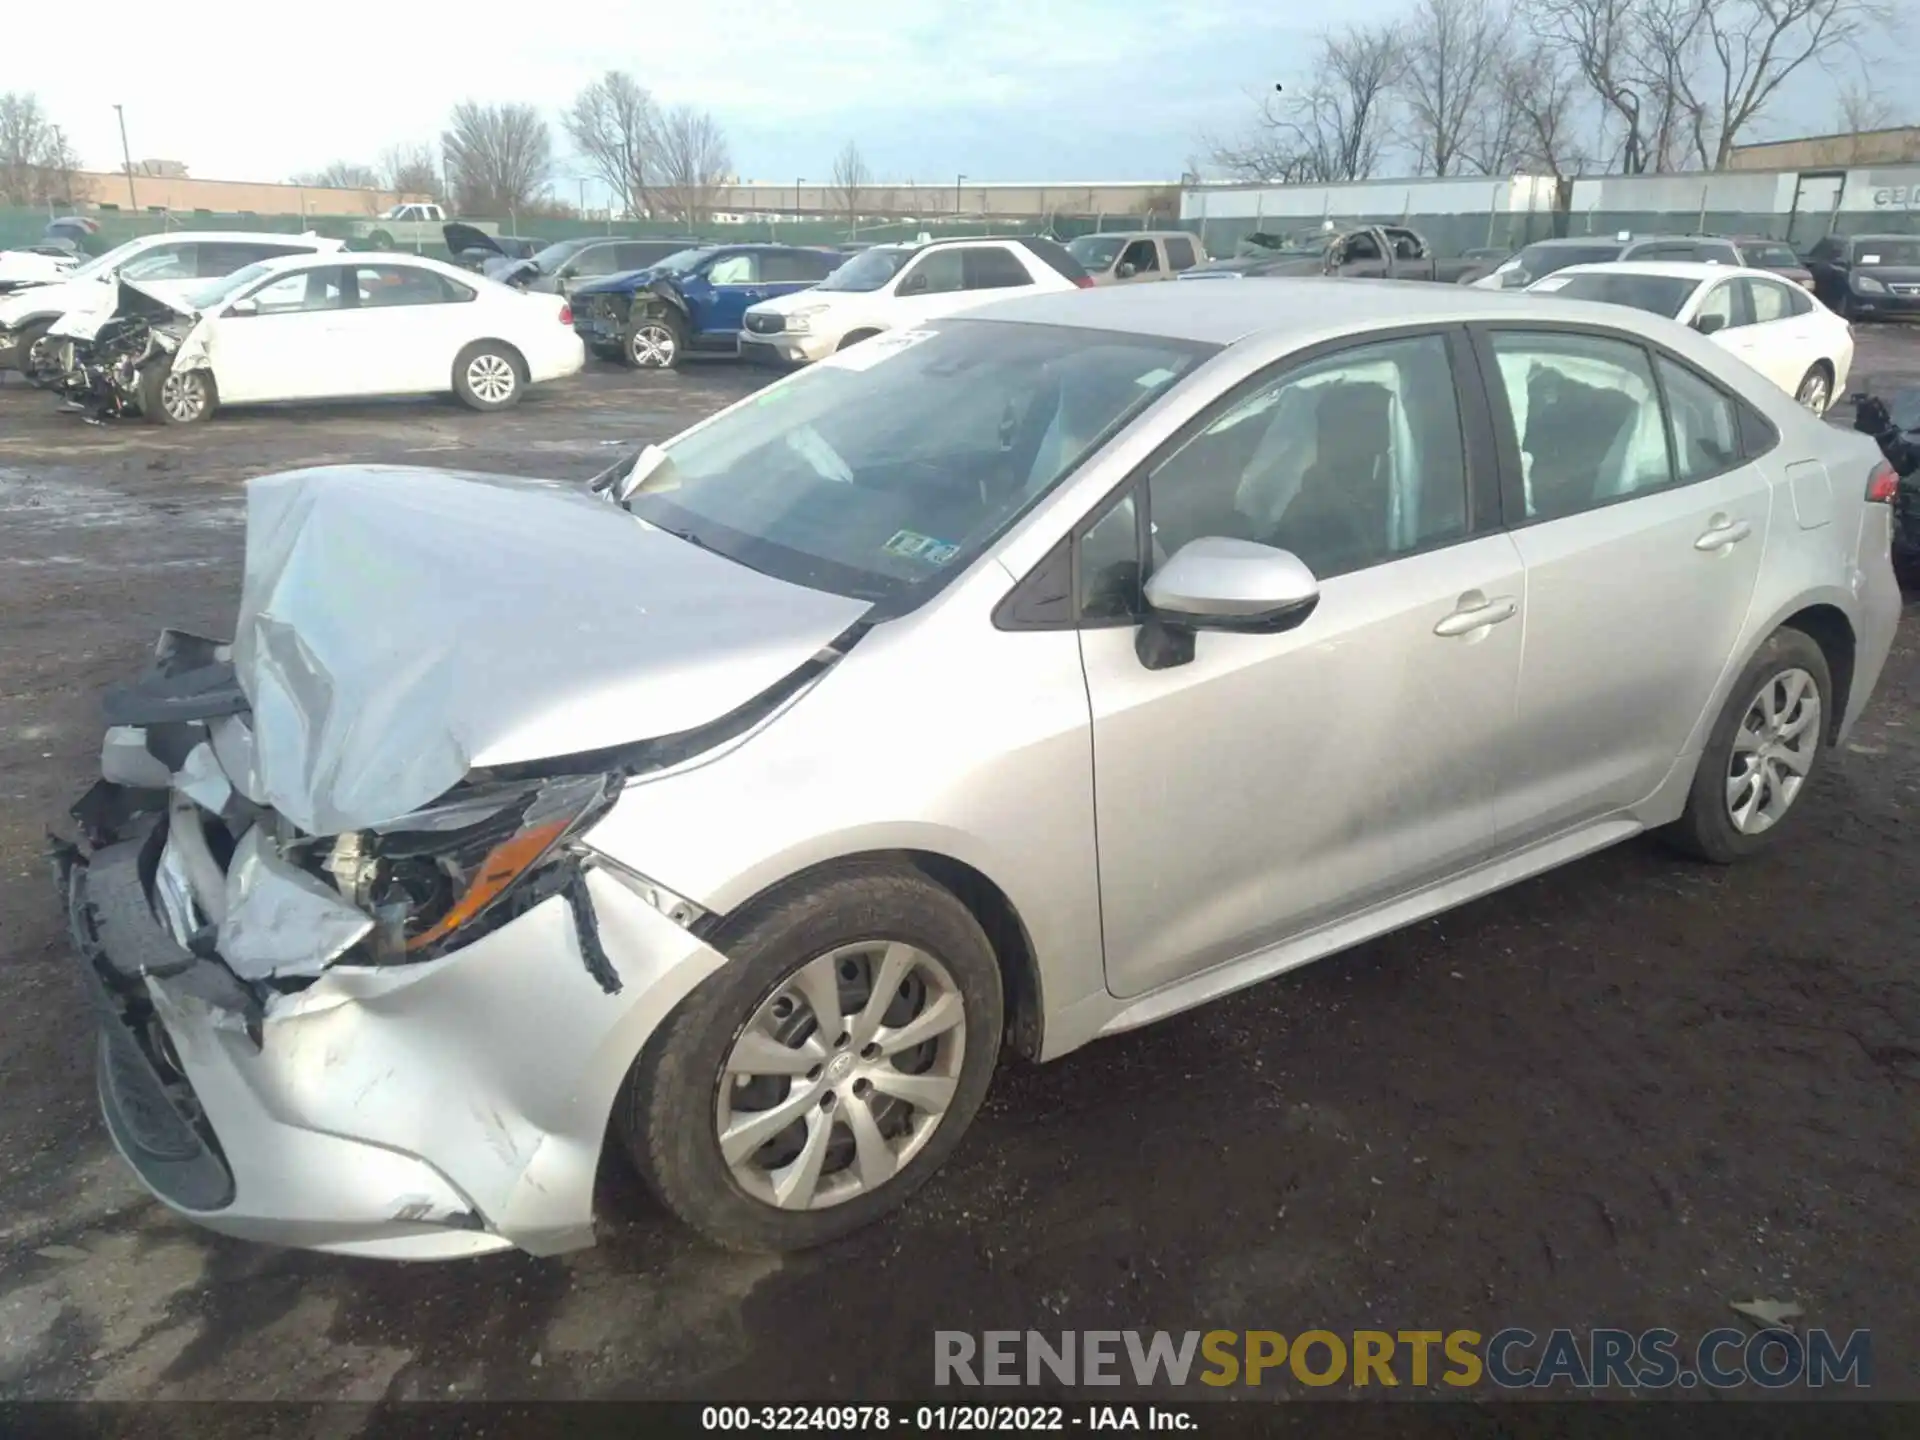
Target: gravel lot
1626 1093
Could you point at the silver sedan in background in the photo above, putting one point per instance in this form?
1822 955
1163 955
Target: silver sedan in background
1013 680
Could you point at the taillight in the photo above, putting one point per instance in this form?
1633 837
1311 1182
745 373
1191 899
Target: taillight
1882 485
566 314
1085 282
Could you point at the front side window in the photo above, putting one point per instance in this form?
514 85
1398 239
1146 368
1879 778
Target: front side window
175 261
869 270
1721 308
1705 423
735 270
939 272
880 471
1359 247
304 290
1142 257
1096 252
1346 461
992 267
1585 418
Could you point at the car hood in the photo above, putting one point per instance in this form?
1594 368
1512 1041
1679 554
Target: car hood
814 298
461 237
625 283
400 627
28 267
54 299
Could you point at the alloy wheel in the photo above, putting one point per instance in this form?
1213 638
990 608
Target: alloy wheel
842 1075
653 347
1815 392
183 397
1773 751
491 378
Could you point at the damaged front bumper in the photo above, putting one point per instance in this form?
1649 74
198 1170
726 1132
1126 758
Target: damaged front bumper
332 1097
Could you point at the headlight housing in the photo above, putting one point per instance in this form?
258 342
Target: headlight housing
1867 285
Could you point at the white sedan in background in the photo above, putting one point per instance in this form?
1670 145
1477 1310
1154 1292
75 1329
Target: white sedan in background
1771 323
341 327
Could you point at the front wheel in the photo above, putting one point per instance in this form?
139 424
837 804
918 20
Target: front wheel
31 336
1816 389
824 1074
174 397
1764 749
654 342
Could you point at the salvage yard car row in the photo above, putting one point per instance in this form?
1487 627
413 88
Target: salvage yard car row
173 326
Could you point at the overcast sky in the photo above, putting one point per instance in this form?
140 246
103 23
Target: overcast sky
997 89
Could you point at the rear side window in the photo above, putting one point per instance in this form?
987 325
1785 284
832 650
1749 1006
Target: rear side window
1768 299
791 267
1585 417
992 267
379 286
1705 423
598 260
1180 252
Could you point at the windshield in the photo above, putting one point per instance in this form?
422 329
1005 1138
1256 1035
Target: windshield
1537 260
104 264
1096 252
868 270
204 297
1769 255
1657 294
551 257
889 465
681 261
1886 252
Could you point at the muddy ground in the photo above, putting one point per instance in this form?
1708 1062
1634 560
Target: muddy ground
1624 1094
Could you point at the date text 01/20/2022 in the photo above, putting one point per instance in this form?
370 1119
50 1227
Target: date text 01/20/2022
935 1419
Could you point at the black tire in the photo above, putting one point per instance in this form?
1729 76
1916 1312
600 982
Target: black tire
1821 370
30 333
1705 829
667 1116
850 340
186 398
380 240
488 375
654 342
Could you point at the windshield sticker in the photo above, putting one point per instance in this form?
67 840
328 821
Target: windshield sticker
1154 378
869 353
1873 259
1552 282
911 546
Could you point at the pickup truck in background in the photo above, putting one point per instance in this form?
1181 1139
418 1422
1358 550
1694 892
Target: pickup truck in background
1363 252
416 226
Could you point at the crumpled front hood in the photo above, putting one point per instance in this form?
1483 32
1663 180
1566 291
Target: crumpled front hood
628 282
399 627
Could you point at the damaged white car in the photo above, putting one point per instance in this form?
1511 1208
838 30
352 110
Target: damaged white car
1016 679
311 328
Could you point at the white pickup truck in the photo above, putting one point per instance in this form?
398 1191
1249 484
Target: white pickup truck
416 226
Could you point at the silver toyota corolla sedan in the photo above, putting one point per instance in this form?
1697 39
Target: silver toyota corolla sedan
1007 682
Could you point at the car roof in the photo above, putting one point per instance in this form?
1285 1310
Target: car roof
1672 269
1133 235
368 257
263 237
1309 307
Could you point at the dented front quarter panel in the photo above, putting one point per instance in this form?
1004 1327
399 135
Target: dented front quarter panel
441 1108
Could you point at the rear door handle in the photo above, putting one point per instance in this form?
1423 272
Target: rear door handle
1477 613
1723 534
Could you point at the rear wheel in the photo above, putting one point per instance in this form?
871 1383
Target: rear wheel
824 1074
174 397
655 342
486 376
1764 749
1816 388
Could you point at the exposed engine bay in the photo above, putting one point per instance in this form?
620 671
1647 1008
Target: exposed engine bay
103 367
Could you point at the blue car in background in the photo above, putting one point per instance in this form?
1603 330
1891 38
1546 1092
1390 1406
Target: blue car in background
694 300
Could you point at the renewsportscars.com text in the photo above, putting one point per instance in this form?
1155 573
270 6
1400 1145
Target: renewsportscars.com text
1512 1358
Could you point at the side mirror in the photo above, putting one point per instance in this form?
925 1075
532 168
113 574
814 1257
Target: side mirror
1708 324
249 306
1126 270
1216 583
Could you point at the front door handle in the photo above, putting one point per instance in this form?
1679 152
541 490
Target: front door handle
1723 534
1477 613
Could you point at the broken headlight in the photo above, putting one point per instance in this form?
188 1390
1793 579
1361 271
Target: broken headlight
474 859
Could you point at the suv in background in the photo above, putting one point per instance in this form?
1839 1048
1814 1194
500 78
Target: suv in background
166 266
1131 256
1543 257
557 268
893 286
1757 252
691 300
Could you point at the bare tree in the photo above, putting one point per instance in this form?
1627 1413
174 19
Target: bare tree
37 164
1333 130
615 126
1859 107
1454 52
1540 88
340 175
1749 48
410 170
693 163
850 180
1598 38
497 157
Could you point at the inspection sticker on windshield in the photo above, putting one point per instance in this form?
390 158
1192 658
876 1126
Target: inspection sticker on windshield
868 353
909 546
1552 282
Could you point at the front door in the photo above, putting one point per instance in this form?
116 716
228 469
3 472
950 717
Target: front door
1275 783
285 341
734 283
1641 561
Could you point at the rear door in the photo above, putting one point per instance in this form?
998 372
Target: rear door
403 327
1641 523
1779 344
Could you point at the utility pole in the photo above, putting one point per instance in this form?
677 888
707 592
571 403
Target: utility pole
958 181
798 181
126 157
